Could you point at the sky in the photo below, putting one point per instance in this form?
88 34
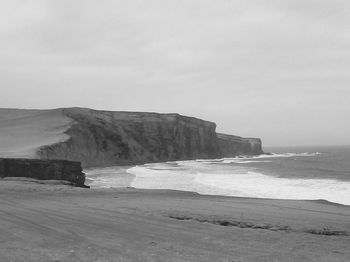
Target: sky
274 69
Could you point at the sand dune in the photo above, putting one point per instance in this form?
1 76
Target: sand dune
23 132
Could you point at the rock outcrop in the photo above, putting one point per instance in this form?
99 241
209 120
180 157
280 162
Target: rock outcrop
231 146
43 170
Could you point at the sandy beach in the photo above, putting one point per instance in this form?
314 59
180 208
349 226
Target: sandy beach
55 222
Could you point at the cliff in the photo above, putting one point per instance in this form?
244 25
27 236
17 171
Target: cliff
105 138
43 170
102 138
231 146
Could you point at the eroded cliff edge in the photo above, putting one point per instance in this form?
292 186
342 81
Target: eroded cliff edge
102 138
43 170
231 146
105 138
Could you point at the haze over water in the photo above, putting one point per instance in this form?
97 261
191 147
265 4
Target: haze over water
289 173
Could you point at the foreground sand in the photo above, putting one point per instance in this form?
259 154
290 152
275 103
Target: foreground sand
48 222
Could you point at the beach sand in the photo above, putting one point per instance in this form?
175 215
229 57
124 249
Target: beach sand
48 221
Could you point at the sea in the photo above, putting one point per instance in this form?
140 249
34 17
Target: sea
307 173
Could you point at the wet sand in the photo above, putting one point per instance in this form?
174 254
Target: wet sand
55 222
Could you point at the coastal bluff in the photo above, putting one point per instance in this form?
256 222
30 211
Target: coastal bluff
43 170
231 146
106 138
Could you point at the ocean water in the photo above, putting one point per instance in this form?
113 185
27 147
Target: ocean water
287 173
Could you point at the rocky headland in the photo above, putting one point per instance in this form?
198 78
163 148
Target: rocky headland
231 146
106 138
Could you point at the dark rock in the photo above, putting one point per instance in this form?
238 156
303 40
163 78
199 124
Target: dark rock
231 146
105 138
43 170
327 232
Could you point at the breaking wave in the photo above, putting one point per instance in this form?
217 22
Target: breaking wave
252 184
258 158
228 177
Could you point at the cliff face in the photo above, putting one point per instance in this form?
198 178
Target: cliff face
106 138
231 146
101 138
43 170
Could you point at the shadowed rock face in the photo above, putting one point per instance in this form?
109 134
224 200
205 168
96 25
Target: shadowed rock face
43 170
100 138
106 138
231 146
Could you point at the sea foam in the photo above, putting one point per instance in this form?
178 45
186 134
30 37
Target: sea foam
255 159
227 176
252 184
216 178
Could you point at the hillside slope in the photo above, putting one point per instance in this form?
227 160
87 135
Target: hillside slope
105 138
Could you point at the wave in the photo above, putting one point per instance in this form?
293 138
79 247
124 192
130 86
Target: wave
108 177
274 155
218 177
255 159
181 179
253 184
238 161
238 181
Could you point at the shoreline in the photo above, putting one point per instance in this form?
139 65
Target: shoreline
49 221
205 183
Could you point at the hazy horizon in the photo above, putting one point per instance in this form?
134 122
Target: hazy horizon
277 70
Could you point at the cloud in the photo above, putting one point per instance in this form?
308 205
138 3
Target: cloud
226 61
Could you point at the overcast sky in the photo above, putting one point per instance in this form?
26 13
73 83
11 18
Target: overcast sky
275 69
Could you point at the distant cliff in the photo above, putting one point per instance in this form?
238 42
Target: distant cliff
43 170
105 138
231 146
